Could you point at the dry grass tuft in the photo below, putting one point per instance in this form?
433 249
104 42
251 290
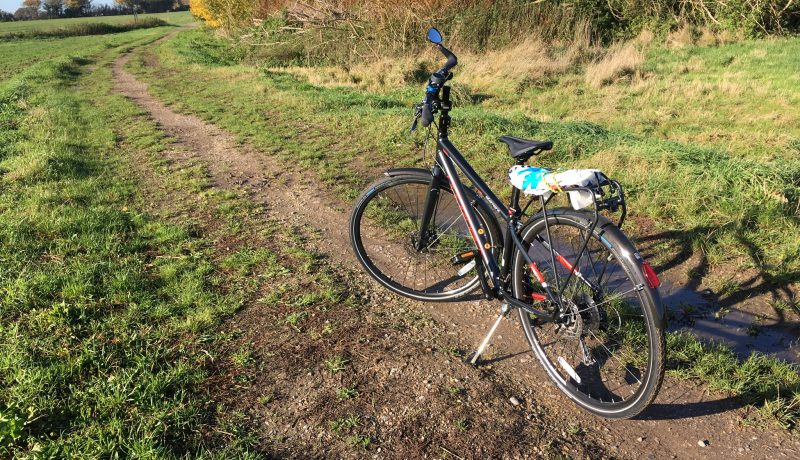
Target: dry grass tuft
681 38
529 63
645 38
375 76
528 60
708 38
532 62
622 61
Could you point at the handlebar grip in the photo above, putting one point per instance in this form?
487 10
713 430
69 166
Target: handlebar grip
427 115
452 60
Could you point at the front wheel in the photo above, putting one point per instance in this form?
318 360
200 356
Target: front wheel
384 231
606 349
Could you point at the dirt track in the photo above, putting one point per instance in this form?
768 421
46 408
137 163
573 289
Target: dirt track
683 413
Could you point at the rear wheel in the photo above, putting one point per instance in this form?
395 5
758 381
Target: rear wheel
384 232
606 351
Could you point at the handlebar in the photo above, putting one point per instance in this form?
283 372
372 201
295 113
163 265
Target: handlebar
435 83
452 60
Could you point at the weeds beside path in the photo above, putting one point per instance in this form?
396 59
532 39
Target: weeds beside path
296 197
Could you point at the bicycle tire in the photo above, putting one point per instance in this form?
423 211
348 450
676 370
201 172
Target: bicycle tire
597 317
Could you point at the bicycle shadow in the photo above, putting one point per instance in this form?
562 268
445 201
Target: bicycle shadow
678 410
691 302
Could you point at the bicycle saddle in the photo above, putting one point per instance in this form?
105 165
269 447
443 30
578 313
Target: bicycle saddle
522 149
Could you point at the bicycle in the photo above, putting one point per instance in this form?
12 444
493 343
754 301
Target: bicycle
588 302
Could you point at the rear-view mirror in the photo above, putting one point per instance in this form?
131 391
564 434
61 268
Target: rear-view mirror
434 36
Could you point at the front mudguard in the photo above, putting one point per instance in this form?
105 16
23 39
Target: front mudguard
406 171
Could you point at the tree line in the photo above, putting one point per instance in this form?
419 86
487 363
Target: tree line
48 9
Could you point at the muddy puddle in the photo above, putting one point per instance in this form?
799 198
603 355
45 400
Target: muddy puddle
746 333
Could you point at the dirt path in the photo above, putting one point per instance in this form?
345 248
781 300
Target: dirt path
682 415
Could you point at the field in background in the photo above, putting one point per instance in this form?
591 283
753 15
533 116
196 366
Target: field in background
178 18
18 54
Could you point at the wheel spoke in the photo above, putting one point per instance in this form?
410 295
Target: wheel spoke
597 345
389 224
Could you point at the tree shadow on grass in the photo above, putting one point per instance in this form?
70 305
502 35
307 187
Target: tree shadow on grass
775 282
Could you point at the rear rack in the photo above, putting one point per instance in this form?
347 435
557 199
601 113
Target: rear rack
610 196
607 195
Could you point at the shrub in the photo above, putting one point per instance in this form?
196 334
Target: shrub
91 28
199 9
756 17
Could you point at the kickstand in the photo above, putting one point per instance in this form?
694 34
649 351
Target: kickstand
504 309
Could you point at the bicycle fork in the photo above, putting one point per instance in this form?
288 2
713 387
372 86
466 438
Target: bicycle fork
429 210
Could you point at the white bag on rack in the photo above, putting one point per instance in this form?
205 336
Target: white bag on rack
532 180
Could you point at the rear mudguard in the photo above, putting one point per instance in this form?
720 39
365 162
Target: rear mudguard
607 232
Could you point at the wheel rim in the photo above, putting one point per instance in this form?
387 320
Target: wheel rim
387 230
600 353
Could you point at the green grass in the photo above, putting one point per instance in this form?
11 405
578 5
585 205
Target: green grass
179 18
769 384
346 393
337 364
107 312
715 200
736 98
345 423
78 284
17 55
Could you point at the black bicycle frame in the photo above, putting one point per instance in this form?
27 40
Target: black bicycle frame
448 161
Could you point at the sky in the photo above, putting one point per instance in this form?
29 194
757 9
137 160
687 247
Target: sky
12 5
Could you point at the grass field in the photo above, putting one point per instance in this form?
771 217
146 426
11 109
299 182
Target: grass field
120 270
17 55
106 310
179 18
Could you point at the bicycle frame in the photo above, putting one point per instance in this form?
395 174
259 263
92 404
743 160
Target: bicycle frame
448 162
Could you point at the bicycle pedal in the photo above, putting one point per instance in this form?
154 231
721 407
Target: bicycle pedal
463 258
466 268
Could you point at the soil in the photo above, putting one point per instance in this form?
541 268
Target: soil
417 396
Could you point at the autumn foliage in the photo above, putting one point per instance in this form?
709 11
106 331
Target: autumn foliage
200 9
